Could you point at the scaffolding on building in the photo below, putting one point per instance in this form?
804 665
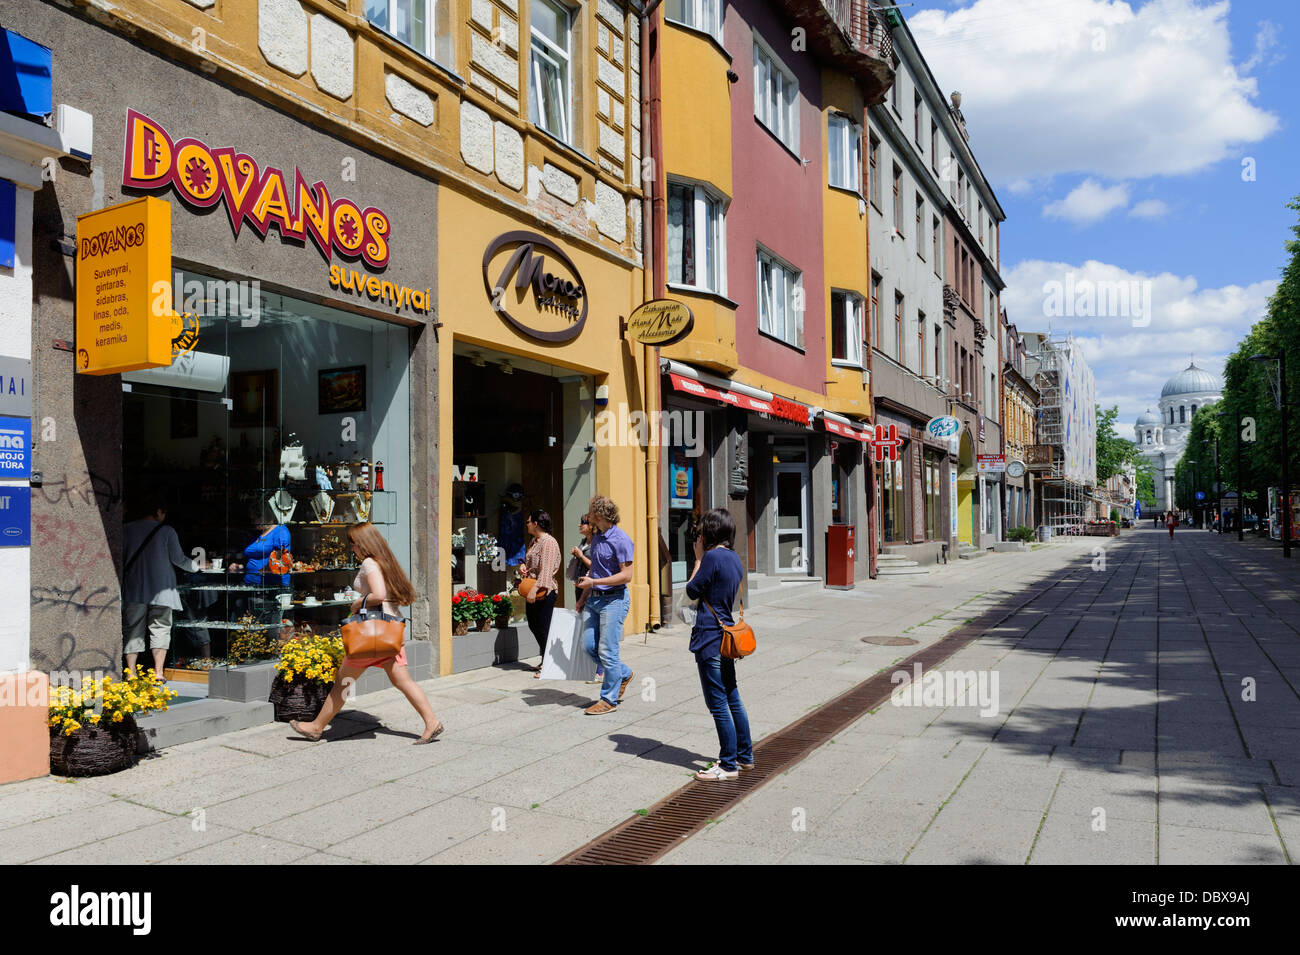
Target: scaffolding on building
1065 503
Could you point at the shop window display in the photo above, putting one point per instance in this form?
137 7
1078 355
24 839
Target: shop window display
272 437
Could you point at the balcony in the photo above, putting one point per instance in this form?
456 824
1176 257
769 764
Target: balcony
850 35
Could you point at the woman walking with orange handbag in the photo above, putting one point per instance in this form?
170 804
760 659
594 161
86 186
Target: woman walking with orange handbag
715 583
383 584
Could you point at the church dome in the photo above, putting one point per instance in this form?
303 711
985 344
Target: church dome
1191 381
1148 418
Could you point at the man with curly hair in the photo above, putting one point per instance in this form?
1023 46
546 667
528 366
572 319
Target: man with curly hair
605 585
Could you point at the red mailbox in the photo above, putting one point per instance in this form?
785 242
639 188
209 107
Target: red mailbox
839 556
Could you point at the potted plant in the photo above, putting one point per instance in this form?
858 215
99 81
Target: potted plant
92 727
308 664
256 642
483 610
503 609
461 612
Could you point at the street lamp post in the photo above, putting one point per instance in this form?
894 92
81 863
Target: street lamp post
1280 358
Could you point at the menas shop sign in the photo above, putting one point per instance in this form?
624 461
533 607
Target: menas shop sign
526 268
203 176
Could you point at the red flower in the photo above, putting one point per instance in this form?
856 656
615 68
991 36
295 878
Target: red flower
456 599
496 598
478 599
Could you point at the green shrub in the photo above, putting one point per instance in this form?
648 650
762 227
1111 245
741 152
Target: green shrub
1021 533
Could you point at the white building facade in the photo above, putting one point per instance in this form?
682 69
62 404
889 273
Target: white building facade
1162 435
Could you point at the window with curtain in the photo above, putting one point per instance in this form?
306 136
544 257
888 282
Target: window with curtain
873 169
844 152
703 15
410 21
549 105
846 327
777 300
696 238
776 96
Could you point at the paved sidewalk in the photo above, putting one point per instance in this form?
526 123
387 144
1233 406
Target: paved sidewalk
521 775
1150 712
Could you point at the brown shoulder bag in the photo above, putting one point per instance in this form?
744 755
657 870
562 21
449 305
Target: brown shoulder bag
373 633
738 640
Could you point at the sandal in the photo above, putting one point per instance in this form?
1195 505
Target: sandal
314 737
431 737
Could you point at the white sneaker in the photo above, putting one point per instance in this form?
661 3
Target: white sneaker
716 773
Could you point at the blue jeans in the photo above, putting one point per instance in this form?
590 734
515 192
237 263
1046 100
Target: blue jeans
602 632
718 678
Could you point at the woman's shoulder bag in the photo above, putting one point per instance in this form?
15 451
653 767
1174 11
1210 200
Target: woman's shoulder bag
373 633
738 639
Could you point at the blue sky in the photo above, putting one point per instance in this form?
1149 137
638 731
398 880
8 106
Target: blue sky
1114 135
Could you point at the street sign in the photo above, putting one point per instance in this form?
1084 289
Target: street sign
990 462
15 516
1200 495
16 386
15 448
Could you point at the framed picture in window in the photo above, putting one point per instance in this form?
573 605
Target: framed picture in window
255 399
341 390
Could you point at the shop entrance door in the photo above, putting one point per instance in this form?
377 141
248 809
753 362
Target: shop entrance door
791 486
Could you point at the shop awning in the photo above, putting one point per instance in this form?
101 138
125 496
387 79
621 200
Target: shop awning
837 424
691 381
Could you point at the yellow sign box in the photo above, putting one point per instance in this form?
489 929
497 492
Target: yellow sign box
124 287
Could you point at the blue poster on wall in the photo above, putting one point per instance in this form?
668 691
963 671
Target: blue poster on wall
15 448
15 517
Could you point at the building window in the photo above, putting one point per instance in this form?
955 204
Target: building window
920 227
893 90
846 327
873 169
1193 412
876 340
776 96
980 217
938 351
777 315
916 121
893 499
704 15
898 199
934 148
697 238
844 152
549 105
898 326
934 242
1182 414
920 342
933 468
412 22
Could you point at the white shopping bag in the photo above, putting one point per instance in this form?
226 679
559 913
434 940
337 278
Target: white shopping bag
564 657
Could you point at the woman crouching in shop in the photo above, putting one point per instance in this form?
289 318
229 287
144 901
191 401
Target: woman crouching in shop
382 583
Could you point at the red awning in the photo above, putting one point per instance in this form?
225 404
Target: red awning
777 407
845 430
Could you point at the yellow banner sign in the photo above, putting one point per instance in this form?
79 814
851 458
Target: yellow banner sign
124 288
660 322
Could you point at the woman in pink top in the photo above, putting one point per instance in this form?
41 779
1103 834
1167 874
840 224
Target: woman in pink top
382 583
542 562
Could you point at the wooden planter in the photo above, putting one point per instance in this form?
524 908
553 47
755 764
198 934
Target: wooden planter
484 625
460 628
93 750
300 700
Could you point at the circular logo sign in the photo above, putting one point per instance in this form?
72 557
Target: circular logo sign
945 426
1200 495
1015 469
559 292
660 322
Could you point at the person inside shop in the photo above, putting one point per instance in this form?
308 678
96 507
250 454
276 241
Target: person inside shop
268 557
382 583
541 563
149 594
608 602
511 534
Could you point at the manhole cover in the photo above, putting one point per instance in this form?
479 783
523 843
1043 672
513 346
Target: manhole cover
890 641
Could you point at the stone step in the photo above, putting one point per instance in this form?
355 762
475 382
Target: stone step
187 722
888 558
896 570
965 552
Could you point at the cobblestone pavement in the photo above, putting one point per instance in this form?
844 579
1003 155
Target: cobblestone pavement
1149 712
523 776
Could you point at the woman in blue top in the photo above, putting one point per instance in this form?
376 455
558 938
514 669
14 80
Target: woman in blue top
715 583
271 537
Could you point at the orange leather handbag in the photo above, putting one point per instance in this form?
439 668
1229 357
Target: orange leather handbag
738 640
372 633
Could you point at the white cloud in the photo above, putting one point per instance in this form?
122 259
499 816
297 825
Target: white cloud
1160 322
1265 41
1094 86
1149 209
1087 203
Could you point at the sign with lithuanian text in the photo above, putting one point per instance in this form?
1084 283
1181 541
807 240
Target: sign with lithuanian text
124 287
660 322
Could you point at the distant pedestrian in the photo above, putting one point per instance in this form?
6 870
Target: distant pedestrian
607 602
1171 522
714 583
1159 517
542 563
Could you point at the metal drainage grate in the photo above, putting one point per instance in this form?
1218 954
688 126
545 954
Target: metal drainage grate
644 839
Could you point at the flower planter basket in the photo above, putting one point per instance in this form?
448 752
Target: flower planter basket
484 625
93 750
460 628
300 700
501 622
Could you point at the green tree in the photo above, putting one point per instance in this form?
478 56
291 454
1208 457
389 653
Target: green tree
1113 452
1146 487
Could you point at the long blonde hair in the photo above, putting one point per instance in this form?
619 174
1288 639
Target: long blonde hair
370 543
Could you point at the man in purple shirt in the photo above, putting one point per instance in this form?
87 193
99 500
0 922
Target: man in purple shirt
607 601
